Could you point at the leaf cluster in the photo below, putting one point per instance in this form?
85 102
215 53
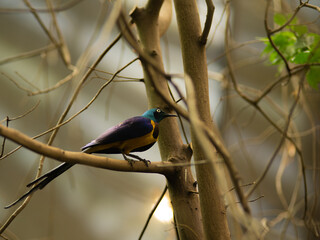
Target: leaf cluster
297 45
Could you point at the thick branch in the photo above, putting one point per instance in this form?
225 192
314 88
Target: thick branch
82 158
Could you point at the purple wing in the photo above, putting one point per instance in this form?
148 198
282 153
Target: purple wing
131 128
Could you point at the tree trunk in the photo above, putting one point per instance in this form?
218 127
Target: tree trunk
195 65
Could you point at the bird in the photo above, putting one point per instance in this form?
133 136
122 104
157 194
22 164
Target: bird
136 134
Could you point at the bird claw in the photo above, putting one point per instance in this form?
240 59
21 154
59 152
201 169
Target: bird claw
132 161
146 162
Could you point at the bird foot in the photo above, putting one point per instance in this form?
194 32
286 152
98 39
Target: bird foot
131 161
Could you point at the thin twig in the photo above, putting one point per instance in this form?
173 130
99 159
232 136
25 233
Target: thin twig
228 57
269 34
46 30
283 138
312 6
28 54
289 20
4 139
63 46
64 6
208 23
18 85
61 82
152 211
269 88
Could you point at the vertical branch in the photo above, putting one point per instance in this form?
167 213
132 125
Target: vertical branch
195 65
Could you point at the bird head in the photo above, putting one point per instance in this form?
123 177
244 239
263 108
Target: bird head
156 114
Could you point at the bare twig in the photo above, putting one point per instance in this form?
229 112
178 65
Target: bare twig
284 136
312 6
289 20
18 85
228 57
4 139
7 119
48 33
269 88
24 114
63 46
208 23
217 26
57 85
63 6
28 54
152 211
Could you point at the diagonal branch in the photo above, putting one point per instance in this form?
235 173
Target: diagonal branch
152 211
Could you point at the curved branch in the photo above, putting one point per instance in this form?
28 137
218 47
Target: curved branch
289 21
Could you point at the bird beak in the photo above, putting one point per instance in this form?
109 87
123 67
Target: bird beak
170 115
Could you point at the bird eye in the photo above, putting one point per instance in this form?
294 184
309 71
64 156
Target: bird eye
158 110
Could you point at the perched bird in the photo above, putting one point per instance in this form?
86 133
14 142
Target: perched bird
136 134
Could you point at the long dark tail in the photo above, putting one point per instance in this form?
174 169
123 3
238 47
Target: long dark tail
42 181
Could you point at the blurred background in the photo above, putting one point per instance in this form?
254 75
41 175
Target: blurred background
90 203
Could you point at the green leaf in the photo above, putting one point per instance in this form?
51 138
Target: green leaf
284 40
299 29
315 56
313 77
279 19
301 58
274 58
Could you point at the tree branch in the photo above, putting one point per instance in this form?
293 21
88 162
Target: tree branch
208 23
82 158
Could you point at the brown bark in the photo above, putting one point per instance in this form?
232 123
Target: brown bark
195 65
